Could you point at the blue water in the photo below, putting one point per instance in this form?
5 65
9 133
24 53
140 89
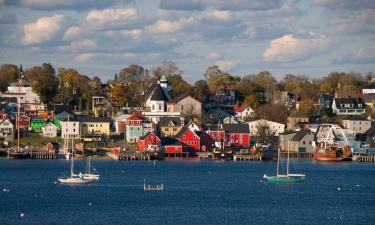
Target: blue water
196 192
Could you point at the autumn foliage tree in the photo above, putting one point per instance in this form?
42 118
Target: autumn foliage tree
8 74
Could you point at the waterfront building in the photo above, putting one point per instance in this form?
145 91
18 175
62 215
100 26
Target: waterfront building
272 128
148 142
6 131
188 106
170 126
237 135
94 128
302 142
136 126
50 130
355 126
189 138
285 138
36 124
70 129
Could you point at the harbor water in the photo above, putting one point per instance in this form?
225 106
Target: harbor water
195 192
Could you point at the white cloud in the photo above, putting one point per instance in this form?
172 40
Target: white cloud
68 4
72 33
355 23
84 57
112 17
358 56
289 48
227 65
43 29
212 55
220 15
345 4
165 26
79 46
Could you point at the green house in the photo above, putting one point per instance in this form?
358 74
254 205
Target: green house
37 124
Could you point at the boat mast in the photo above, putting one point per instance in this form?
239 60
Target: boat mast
278 162
287 164
18 108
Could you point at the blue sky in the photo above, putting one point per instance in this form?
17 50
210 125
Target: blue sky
307 37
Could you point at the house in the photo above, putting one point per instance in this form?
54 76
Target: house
6 130
24 123
348 106
189 138
289 100
136 126
172 146
170 126
217 134
295 119
355 126
148 142
50 130
37 123
257 127
206 142
284 139
193 126
369 97
242 111
63 116
99 104
70 129
325 103
229 120
188 106
223 97
341 94
237 135
3 115
302 141
94 128
119 122
23 92
217 114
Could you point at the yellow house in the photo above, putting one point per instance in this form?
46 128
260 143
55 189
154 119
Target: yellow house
94 126
170 126
295 119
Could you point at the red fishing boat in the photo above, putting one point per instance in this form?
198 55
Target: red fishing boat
331 144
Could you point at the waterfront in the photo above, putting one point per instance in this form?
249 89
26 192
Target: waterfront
196 192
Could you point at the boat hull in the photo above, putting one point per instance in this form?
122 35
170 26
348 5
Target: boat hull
19 155
333 155
73 180
284 179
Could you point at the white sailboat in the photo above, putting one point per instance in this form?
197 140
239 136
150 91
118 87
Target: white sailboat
74 178
284 178
89 175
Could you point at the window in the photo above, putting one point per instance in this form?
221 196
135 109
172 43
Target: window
153 107
166 129
304 142
174 129
159 106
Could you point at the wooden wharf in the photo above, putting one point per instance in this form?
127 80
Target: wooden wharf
364 158
247 157
305 155
42 155
122 156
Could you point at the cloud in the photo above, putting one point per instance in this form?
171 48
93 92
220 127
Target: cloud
355 23
72 33
219 4
43 29
228 64
8 18
77 46
289 48
112 18
165 26
212 55
358 56
77 5
345 4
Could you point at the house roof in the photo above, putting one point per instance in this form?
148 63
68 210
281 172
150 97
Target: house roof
240 108
300 134
370 131
94 119
182 132
287 132
236 128
2 121
36 118
56 108
344 101
167 141
158 94
199 133
148 134
64 114
164 121
136 117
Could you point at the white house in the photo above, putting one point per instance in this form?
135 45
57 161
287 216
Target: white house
193 126
50 130
353 127
274 128
348 106
24 91
243 111
70 129
6 130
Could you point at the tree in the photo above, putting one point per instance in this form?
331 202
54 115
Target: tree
8 74
130 73
212 71
178 85
274 112
200 90
43 81
265 81
220 80
118 92
169 68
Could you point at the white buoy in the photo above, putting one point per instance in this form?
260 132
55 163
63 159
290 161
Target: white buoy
357 185
339 189
22 215
89 203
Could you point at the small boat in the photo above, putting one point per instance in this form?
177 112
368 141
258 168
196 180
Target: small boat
19 154
89 175
152 188
284 178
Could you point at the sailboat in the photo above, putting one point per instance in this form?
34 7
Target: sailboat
74 178
89 175
19 153
284 178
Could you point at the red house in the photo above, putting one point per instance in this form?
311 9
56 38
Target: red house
173 146
148 141
189 138
3 115
216 132
237 135
206 142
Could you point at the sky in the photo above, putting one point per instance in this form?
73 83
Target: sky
242 37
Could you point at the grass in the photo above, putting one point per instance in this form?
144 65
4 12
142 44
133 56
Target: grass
37 139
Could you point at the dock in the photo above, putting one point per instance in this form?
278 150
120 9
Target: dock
364 158
304 155
152 188
42 155
247 157
129 157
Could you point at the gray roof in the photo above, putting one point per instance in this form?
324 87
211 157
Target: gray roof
300 134
158 94
94 119
370 131
344 101
181 132
164 121
236 128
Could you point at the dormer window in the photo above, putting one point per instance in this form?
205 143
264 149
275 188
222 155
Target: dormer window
360 105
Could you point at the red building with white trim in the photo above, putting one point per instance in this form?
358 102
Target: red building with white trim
149 141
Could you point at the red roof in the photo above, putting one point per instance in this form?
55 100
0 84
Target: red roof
136 117
240 108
